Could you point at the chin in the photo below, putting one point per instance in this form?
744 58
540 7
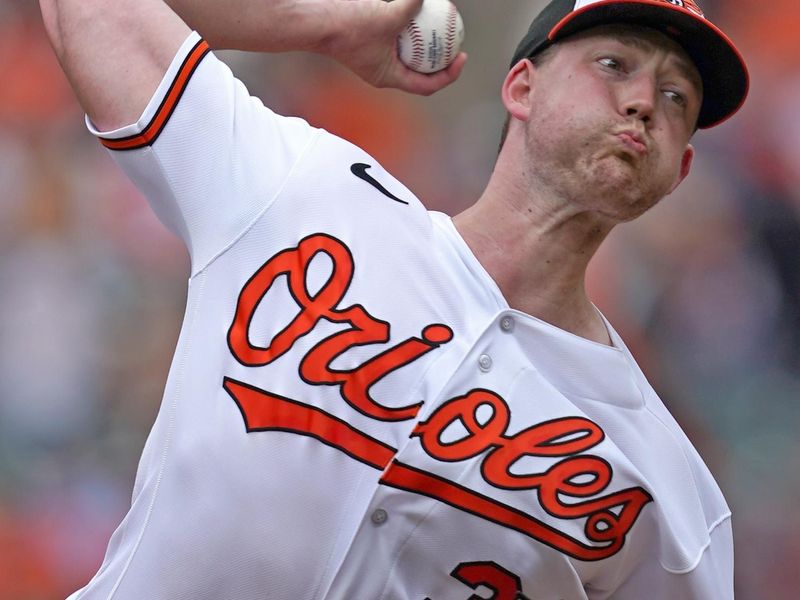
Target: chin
621 203
622 194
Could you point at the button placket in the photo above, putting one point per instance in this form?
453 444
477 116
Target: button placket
379 516
507 324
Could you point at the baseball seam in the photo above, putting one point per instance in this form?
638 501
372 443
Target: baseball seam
450 35
417 45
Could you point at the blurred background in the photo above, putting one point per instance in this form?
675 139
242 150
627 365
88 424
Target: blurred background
705 288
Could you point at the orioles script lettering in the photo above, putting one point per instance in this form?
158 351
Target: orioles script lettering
569 489
315 368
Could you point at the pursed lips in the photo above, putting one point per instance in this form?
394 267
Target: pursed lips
632 140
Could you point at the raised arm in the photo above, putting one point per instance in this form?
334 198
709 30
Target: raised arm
115 52
360 34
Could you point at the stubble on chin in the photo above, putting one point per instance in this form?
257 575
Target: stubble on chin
592 173
618 184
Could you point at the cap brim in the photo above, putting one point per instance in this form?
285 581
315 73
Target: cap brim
721 66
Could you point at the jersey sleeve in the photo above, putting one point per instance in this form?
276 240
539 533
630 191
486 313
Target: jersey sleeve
209 157
710 574
712 577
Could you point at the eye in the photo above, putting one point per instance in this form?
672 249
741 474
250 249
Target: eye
676 97
610 62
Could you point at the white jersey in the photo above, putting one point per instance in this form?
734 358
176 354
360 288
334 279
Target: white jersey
354 411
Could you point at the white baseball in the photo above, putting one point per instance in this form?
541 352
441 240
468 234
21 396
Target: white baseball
432 39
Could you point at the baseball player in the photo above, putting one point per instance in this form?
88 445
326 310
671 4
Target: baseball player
369 400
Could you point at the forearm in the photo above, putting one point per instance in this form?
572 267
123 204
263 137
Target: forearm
263 25
360 34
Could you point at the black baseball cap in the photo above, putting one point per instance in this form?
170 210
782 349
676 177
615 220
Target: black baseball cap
721 66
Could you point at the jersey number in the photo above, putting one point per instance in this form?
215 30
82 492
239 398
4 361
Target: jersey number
503 584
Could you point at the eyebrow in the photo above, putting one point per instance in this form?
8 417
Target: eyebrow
688 70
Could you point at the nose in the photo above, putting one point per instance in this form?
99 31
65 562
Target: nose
638 98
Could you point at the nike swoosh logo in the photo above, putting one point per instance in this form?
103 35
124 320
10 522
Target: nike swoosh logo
360 171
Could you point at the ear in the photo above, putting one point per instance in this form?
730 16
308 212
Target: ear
516 89
686 166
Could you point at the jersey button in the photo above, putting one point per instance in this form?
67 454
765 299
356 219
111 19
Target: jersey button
507 324
485 363
379 516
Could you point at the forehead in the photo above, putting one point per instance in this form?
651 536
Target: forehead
643 38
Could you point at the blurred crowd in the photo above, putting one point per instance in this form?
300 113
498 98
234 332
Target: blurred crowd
705 287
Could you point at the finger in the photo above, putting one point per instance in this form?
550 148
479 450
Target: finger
426 84
457 66
403 10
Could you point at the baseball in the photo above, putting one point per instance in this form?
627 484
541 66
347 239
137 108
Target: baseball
432 39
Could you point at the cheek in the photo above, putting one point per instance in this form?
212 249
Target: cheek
570 115
573 94
675 160
588 99
671 143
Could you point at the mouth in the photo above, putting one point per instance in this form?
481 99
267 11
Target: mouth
633 142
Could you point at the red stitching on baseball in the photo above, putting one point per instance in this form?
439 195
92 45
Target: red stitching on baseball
450 35
417 46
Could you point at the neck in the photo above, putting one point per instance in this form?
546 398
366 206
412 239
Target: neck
537 250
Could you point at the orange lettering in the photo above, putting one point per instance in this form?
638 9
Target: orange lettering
577 476
568 489
265 411
464 409
315 368
292 263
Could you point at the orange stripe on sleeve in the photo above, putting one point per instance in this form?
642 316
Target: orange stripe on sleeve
159 121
